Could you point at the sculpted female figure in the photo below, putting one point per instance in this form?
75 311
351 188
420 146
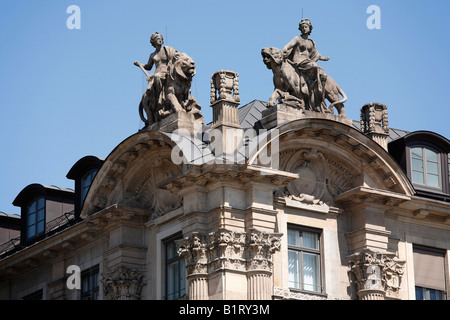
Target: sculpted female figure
301 52
161 58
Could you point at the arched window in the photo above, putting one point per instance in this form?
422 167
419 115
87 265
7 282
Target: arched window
426 167
36 218
86 182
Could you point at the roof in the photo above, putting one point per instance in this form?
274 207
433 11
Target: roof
250 113
8 215
37 189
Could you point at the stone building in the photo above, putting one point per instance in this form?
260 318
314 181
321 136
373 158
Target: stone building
269 201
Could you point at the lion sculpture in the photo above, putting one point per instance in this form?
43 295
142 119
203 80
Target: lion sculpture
288 86
174 96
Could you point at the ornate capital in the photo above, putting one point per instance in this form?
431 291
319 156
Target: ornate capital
193 250
377 274
123 284
261 246
228 249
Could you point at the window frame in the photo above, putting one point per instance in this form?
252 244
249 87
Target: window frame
426 290
37 209
443 167
90 292
85 189
181 269
301 249
425 167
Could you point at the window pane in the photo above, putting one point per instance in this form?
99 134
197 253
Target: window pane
432 167
431 155
417 177
41 215
171 250
310 240
41 203
31 219
32 207
417 165
293 237
40 227
416 153
293 269
433 180
311 272
31 231
419 293
172 281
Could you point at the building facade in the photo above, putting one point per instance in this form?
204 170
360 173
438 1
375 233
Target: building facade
276 200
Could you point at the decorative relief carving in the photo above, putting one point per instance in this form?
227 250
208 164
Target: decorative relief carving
223 83
150 196
320 177
285 293
376 272
193 250
123 284
228 249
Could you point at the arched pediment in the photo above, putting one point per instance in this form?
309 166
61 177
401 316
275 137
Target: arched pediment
330 159
132 173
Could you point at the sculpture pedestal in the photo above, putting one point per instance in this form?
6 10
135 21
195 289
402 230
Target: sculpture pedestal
183 122
275 116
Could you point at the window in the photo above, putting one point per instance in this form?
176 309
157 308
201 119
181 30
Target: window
86 182
304 259
36 218
425 167
429 273
175 271
89 284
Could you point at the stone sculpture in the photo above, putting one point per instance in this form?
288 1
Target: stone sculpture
299 81
168 89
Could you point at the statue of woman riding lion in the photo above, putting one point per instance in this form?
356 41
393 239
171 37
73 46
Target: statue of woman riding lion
298 80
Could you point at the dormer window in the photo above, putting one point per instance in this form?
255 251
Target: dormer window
425 158
86 182
426 167
36 218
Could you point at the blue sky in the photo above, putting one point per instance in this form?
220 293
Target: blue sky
65 94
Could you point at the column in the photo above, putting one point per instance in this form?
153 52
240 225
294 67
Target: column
261 246
193 249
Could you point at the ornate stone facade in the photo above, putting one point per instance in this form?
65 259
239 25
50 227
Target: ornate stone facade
228 250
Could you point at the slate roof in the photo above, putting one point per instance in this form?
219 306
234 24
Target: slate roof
250 113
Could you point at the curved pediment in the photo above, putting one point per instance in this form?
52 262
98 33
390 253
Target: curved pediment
330 159
132 173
